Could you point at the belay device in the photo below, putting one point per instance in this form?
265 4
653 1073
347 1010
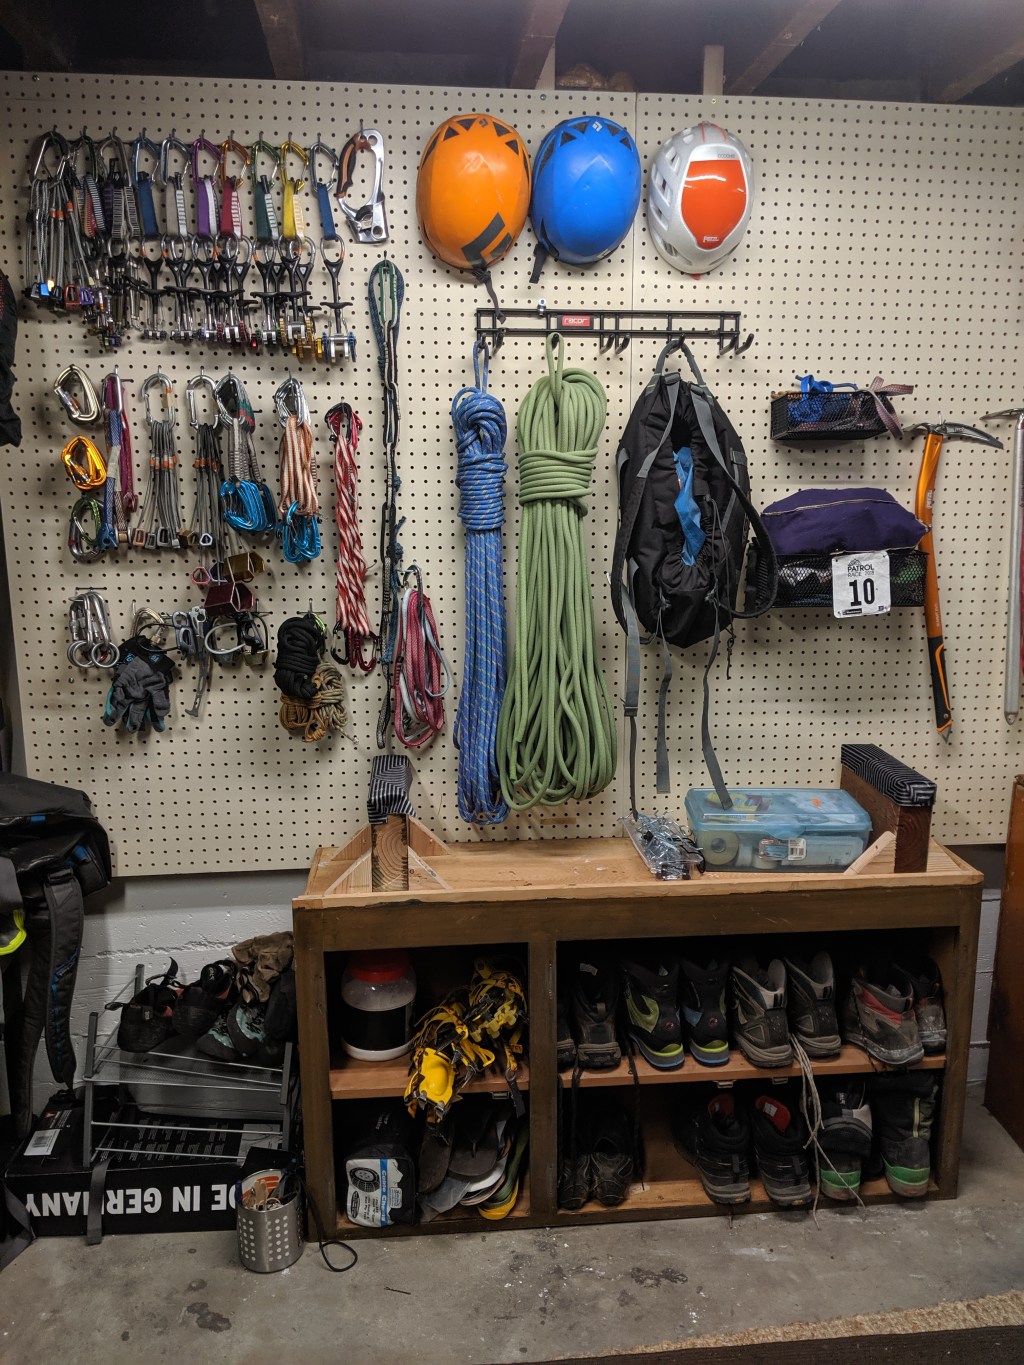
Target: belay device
684 514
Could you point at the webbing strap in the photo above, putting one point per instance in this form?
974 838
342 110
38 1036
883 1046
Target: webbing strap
174 205
147 209
67 915
206 207
266 214
328 232
231 209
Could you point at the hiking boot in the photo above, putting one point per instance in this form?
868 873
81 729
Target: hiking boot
926 983
812 1005
780 1137
845 1135
652 1013
759 1013
716 1137
903 1107
565 1046
703 1001
147 1019
880 1019
611 1155
595 1001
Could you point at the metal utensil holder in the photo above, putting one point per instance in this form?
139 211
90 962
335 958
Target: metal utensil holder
269 1239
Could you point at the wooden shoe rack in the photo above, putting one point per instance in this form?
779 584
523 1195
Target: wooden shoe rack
538 896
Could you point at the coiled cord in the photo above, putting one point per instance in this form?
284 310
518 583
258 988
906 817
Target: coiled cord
556 732
480 433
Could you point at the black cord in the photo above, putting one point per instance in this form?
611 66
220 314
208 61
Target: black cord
322 1242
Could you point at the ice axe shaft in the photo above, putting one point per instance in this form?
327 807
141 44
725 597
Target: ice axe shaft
924 509
1014 658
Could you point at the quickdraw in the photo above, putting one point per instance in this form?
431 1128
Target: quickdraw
159 525
246 502
299 505
84 464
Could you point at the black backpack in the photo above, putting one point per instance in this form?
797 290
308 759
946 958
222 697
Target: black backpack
653 589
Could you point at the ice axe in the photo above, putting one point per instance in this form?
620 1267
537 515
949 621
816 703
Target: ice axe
936 435
1014 659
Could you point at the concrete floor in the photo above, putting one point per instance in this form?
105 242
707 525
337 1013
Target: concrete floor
519 1296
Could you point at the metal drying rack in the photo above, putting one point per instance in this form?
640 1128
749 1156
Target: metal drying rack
613 327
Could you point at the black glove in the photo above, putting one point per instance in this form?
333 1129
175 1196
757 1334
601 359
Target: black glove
139 691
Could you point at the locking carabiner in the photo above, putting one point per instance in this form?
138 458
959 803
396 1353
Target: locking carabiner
84 464
84 413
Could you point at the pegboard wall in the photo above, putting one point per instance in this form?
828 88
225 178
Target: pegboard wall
885 239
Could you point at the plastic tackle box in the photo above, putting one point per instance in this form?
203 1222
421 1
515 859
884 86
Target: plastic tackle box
775 829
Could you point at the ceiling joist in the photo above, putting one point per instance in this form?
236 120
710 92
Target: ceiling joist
540 28
34 28
978 57
790 35
282 29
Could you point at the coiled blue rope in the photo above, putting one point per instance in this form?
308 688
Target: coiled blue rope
480 431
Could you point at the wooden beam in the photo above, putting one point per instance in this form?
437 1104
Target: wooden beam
993 42
713 79
34 28
282 29
792 33
541 23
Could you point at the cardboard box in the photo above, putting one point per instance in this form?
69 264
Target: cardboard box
144 1191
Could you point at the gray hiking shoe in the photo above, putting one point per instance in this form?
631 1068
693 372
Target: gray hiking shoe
880 1019
758 1013
931 1017
812 1005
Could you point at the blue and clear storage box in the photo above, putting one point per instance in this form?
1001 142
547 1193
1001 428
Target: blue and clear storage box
775 829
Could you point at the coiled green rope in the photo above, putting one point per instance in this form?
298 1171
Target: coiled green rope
556 732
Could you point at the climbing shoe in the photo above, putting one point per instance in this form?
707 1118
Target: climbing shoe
845 1136
595 1002
247 1027
704 1009
217 1042
611 1155
880 1018
652 1013
780 1138
147 1019
716 1137
201 1004
811 1005
903 1107
758 1011
926 985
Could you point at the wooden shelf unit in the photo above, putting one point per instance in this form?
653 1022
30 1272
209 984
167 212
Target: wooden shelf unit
548 893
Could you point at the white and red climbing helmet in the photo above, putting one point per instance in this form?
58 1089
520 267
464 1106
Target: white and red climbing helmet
699 197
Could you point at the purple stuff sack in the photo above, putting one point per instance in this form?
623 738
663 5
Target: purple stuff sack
834 520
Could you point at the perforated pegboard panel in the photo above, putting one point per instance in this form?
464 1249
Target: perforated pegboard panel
885 239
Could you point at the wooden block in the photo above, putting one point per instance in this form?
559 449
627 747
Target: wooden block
882 850
910 824
389 854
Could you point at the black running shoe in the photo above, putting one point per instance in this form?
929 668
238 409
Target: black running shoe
716 1137
878 1015
652 1013
811 1005
565 1044
595 1002
201 1004
780 1137
611 1155
845 1135
758 1013
147 1020
704 1009
903 1107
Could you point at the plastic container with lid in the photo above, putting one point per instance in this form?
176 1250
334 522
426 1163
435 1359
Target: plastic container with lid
378 990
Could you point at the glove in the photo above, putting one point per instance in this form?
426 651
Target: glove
139 691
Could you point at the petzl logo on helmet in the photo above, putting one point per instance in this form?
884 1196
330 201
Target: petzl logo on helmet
489 245
579 322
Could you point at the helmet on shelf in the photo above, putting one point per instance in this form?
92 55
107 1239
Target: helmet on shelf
586 190
473 190
699 197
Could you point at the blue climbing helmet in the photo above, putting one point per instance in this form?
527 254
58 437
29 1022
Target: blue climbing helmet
586 191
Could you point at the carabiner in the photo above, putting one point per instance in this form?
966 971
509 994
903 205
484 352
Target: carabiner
144 144
263 148
85 413
91 166
228 148
119 158
321 149
199 146
169 146
41 170
292 148
158 379
201 380
84 464
290 401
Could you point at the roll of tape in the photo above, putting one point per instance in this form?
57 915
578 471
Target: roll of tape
720 849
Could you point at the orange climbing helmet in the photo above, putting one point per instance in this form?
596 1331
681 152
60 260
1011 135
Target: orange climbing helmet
473 190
